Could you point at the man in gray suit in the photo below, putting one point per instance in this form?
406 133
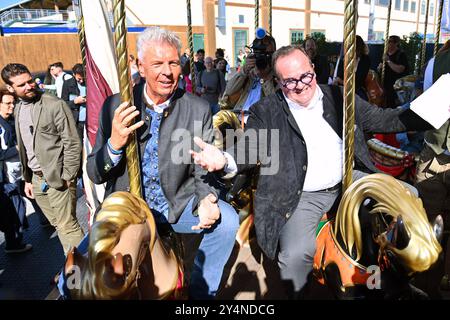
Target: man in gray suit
302 126
49 151
167 118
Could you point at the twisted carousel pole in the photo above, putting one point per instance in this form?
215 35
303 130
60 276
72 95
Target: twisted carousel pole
191 44
438 31
256 14
424 42
270 17
81 35
386 41
126 93
349 90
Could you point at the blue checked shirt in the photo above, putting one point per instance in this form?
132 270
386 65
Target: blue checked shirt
152 186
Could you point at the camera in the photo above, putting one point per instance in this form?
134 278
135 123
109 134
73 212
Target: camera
258 49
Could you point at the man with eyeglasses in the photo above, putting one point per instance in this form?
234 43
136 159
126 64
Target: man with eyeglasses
301 127
49 150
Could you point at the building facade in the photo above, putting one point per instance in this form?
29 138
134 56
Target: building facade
230 24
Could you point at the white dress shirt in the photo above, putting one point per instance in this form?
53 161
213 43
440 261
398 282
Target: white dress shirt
428 77
324 147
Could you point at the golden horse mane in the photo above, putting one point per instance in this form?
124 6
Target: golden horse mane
224 117
395 200
118 211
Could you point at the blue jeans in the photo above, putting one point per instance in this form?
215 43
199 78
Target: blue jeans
214 250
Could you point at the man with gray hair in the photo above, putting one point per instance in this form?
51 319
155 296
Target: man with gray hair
307 117
180 194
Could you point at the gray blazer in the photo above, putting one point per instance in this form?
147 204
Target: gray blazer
56 142
186 116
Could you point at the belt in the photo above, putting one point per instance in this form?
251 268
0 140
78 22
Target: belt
38 173
331 189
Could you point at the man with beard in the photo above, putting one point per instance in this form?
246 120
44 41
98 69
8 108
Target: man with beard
49 151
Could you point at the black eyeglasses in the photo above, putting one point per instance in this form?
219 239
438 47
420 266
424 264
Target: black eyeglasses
291 84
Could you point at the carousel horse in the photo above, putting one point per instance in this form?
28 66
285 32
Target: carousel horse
385 148
126 259
379 226
391 160
407 88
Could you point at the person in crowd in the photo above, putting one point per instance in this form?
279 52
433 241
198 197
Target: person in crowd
301 165
221 65
13 178
48 84
80 76
57 70
362 69
74 94
220 55
185 57
321 66
396 66
13 217
186 77
254 80
199 63
49 150
239 58
134 71
211 85
179 193
433 169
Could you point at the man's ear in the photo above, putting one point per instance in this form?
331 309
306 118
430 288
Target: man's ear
10 88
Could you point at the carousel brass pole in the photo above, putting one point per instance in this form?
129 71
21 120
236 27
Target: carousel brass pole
424 42
191 45
82 36
126 94
386 40
349 90
438 31
270 17
256 14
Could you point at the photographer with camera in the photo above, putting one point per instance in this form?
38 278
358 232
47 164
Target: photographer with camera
255 80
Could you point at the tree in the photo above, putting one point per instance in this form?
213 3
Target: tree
412 46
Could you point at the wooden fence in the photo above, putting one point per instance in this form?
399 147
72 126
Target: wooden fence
37 51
